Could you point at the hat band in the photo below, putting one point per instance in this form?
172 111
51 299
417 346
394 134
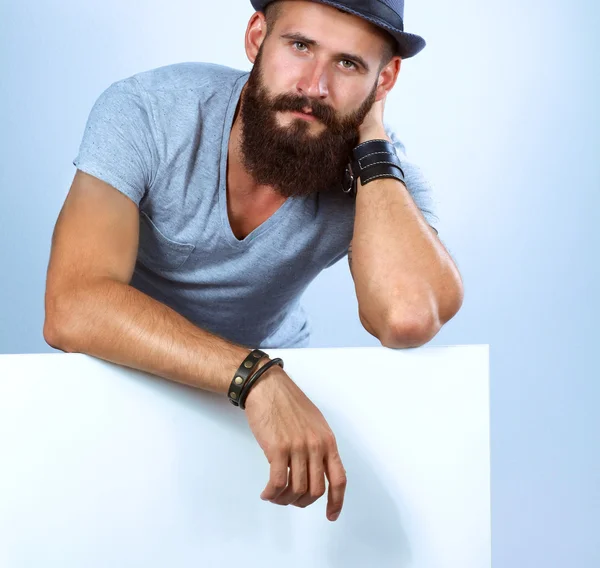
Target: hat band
372 8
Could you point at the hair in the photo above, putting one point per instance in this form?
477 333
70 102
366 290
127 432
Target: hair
273 11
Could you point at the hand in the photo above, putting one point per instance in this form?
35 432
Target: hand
372 126
292 432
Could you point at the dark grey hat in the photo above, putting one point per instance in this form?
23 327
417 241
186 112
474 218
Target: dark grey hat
387 14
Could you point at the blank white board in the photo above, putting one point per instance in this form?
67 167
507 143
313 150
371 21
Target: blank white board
104 466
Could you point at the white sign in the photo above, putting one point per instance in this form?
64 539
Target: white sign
107 467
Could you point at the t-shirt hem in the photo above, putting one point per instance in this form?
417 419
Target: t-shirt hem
110 178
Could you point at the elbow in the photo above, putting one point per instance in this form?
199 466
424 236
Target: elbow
54 335
452 300
415 326
406 333
50 333
56 323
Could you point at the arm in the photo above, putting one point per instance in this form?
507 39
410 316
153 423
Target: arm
407 285
90 307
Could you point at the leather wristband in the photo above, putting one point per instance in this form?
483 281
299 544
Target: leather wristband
242 375
254 378
371 160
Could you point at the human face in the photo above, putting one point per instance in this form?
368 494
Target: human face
288 157
297 141
331 58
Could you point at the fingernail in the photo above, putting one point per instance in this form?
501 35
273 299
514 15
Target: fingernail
335 516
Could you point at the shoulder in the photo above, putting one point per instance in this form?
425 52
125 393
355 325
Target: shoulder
400 148
189 76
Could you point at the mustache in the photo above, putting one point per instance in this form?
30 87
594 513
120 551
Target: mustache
319 110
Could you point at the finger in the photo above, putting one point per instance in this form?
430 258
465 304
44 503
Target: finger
298 482
316 480
278 476
336 475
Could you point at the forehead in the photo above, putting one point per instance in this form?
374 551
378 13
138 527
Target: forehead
333 29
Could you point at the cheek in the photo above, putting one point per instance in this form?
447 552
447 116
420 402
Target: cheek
282 73
348 97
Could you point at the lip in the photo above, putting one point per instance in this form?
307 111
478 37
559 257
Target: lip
305 116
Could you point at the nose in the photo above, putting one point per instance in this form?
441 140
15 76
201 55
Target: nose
313 82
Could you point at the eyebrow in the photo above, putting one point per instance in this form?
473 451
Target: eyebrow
349 56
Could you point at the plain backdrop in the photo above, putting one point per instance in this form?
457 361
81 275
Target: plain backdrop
500 111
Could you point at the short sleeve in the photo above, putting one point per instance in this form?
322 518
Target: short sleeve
118 145
418 186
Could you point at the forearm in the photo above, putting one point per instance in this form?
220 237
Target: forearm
115 322
404 278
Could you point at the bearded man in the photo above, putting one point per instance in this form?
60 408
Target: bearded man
206 199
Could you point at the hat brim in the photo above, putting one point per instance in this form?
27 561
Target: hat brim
408 44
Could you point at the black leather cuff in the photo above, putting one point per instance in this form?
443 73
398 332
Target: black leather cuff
371 160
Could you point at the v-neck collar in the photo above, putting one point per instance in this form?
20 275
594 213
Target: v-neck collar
226 226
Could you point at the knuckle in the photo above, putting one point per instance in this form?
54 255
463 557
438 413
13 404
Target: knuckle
277 453
315 445
342 481
298 447
300 489
317 493
330 440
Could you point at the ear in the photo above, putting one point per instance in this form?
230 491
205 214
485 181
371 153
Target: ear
388 77
255 35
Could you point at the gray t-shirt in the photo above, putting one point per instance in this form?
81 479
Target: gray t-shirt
161 138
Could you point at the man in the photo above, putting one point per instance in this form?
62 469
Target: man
207 199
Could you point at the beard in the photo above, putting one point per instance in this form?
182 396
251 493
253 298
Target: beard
289 158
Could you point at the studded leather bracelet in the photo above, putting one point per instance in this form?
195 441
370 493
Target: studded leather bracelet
254 378
243 374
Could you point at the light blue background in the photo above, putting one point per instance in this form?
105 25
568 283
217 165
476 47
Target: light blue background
501 112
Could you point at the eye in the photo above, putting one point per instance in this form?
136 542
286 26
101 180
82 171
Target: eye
351 66
297 43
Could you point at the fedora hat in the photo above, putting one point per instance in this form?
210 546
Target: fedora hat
386 14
